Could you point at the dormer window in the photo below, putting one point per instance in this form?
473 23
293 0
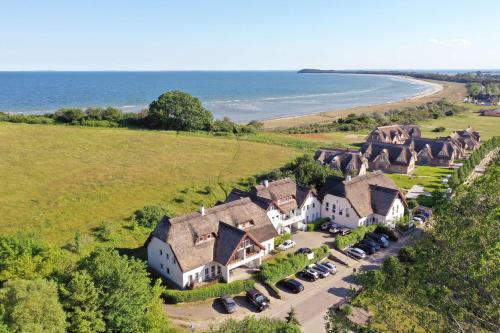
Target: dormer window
204 238
246 224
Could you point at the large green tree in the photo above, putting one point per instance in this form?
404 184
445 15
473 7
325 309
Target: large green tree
31 307
82 304
128 300
177 110
24 257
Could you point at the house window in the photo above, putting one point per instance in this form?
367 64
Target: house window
206 273
314 205
218 270
341 211
197 277
212 270
327 206
333 217
168 270
347 212
334 207
161 252
175 261
161 266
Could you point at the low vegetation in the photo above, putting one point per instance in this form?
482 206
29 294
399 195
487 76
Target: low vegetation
282 267
448 281
252 324
356 235
316 225
208 292
278 240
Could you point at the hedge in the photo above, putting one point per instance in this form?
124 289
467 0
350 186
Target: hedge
273 271
357 234
281 238
317 224
204 293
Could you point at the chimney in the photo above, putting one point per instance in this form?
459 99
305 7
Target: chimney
348 178
266 183
202 210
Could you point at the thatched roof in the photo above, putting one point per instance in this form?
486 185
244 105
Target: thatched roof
394 133
396 154
276 191
343 160
368 194
181 233
438 148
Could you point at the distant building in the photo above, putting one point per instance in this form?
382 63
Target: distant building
372 198
396 134
435 152
392 158
348 162
468 139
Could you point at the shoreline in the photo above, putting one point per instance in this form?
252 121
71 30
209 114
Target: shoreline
441 89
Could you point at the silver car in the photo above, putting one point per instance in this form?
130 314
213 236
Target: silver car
356 253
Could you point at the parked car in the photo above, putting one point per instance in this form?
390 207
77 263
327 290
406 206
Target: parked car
308 275
325 226
344 231
258 300
292 285
330 265
228 303
421 216
288 244
421 212
391 235
313 272
381 240
322 268
417 219
356 253
331 268
334 229
370 242
322 272
304 250
366 248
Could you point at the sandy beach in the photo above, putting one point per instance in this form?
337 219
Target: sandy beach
449 90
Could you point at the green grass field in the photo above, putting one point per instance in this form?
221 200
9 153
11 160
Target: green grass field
427 176
59 179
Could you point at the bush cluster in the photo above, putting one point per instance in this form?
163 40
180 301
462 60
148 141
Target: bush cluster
461 174
408 115
356 235
216 290
281 238
279 268
316 225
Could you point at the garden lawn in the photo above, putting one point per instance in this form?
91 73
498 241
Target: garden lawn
427 176
60 179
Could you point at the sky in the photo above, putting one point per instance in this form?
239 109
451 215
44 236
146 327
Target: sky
249 35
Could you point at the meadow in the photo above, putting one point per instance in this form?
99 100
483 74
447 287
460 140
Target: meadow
60 179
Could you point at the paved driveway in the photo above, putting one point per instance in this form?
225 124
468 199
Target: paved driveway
311 305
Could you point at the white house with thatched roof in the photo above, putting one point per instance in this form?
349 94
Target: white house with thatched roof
290 207
211 244
372 198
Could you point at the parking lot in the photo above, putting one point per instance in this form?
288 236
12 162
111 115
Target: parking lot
311 304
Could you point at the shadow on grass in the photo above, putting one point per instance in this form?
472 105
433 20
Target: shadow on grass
138 253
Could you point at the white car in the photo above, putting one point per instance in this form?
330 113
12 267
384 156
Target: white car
356 253
288 244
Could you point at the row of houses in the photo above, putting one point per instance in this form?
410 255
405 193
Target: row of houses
214 243
398 148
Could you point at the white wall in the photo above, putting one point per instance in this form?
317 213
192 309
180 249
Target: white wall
274 216
351 221
164 262
396 212
269 245
311 209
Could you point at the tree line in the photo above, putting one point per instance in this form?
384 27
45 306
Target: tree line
173 110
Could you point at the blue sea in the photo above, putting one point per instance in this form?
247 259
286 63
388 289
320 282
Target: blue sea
239 95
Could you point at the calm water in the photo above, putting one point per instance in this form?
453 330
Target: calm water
242 96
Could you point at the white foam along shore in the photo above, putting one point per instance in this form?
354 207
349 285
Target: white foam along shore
434 89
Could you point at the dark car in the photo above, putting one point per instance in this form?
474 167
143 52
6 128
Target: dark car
344 231
304 250
292 285
379 239
258 300
370 242
325 226
366 248
391 235
308 276
229 303
421 216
